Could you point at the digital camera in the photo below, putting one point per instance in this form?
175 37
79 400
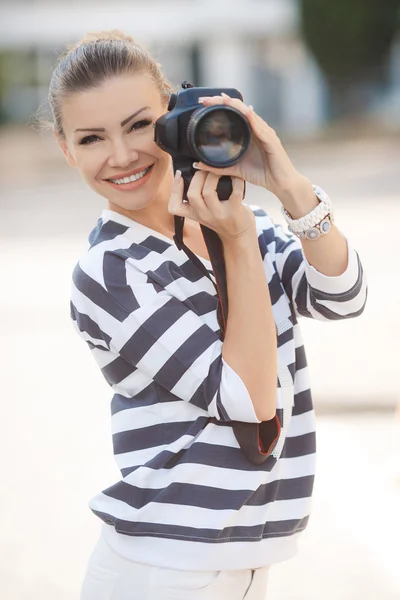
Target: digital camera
218 136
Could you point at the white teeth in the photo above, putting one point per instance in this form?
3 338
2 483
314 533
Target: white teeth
131 178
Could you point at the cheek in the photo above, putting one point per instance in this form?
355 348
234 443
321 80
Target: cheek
89 165
164 158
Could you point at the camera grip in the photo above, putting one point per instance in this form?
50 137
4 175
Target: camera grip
224 188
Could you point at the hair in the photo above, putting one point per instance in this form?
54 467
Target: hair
93 60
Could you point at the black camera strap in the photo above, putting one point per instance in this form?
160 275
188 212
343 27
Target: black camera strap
256 440
215 251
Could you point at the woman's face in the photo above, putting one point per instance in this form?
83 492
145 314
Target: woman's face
109 137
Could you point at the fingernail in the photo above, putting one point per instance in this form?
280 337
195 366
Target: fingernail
178 175
200 100
251 107
224 95
196 165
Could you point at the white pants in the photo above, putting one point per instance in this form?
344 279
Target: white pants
111 577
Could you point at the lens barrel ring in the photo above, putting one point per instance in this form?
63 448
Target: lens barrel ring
237 119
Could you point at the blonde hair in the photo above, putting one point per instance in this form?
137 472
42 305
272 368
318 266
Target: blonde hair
96 58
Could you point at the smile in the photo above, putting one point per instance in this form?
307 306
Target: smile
131 182
131 177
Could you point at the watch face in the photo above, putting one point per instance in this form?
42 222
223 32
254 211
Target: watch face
313 233
325 226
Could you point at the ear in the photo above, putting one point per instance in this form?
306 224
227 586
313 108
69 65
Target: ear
63 145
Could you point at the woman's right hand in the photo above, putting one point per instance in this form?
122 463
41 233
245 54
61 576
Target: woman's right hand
230 219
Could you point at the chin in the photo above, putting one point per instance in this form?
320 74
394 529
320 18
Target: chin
131 202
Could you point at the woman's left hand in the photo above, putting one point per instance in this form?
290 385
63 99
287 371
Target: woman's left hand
265 163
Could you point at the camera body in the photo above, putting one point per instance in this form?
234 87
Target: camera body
216 135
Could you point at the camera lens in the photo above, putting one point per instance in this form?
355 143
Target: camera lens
218 135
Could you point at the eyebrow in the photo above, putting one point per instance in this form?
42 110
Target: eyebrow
124 122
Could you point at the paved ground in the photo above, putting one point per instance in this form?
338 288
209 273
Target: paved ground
53 462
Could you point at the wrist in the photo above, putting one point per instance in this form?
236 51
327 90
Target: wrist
299 198
241 241
240 234
243 252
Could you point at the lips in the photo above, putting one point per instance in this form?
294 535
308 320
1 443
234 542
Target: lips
132 183
129 173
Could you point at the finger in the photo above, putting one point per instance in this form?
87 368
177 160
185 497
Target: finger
205 168
227 101
238 104
175 204
237 190
195 191
210 100
210 190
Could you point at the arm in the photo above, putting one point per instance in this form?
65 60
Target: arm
250 347
250 340
314 294
328 254
327 276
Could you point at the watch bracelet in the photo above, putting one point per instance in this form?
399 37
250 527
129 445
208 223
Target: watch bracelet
314 217
316 231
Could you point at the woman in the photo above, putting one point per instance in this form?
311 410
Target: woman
192 517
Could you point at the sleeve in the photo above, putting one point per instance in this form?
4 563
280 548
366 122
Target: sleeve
167 342
313 294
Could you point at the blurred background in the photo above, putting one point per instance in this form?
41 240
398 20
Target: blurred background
326 76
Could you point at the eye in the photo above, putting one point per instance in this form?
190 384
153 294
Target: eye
89 139
140 124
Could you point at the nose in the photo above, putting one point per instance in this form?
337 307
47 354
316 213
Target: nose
122 155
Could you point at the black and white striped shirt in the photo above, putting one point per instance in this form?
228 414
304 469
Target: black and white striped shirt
187 497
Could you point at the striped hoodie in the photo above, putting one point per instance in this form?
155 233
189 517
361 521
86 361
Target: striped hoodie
187 497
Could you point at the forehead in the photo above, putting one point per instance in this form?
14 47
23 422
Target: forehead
110 102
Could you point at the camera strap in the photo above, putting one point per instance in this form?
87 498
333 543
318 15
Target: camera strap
216 253
256 440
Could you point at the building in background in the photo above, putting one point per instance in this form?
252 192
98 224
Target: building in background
254 45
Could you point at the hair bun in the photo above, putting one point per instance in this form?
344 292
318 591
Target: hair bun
112 34
98 36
